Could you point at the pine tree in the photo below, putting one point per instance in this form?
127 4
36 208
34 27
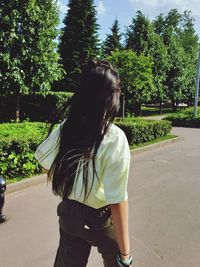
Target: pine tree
138 34
112 42
79 40
172 23
159 24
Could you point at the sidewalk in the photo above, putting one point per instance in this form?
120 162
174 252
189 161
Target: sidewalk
157 117
164 200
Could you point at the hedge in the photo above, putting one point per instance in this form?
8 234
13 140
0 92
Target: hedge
139 131
35 107
184 118
18 141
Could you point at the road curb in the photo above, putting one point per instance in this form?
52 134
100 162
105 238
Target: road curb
26 183
43 178
156 145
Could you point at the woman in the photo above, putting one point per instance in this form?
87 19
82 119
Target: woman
87 159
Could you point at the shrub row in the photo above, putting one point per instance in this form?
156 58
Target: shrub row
18 141
184 118
139 131
35 107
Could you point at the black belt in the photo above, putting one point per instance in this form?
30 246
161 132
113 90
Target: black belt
94 219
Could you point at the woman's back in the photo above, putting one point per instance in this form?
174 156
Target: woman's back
112 166
87 159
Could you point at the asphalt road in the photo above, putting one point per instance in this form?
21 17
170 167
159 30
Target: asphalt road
164 195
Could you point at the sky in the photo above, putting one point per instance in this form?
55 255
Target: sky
125 10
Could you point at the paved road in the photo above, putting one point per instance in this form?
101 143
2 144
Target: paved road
164 194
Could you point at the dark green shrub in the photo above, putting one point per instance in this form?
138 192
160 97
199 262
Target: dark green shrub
35 107
18 141
139 131
184 118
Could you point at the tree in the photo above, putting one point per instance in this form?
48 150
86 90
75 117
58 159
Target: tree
188 37
112 42
189 41
159 24
136 77
79 40
181 42
176 73
138 34
28 57
160 58
172 22
142 39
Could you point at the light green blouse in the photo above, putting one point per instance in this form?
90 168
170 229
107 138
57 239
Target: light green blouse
112 166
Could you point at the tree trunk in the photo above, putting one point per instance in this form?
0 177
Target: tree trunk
137 109
160 108
123 106
174 108
17 105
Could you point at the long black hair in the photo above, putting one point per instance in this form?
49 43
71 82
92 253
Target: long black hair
91 111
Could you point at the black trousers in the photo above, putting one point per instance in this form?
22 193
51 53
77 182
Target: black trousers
82 227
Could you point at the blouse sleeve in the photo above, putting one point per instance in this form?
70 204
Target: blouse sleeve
47 150
116 170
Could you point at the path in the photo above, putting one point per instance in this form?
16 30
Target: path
164 212
156 117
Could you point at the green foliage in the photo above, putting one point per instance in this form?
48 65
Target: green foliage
185 118
28 57
18 141
160 139
161 63
159 25
138 34
35 107
188 36
172 22
135 73
175 74
189 41
112 42
178 34
139 131
78 41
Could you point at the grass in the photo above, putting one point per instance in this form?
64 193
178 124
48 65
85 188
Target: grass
154 111
18 179
164 138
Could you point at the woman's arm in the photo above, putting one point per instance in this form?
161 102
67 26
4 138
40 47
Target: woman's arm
120 218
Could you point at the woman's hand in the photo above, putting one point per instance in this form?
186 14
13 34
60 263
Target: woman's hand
124 260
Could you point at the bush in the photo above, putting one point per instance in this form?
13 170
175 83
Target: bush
184 118
35 107
18 142
139 131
